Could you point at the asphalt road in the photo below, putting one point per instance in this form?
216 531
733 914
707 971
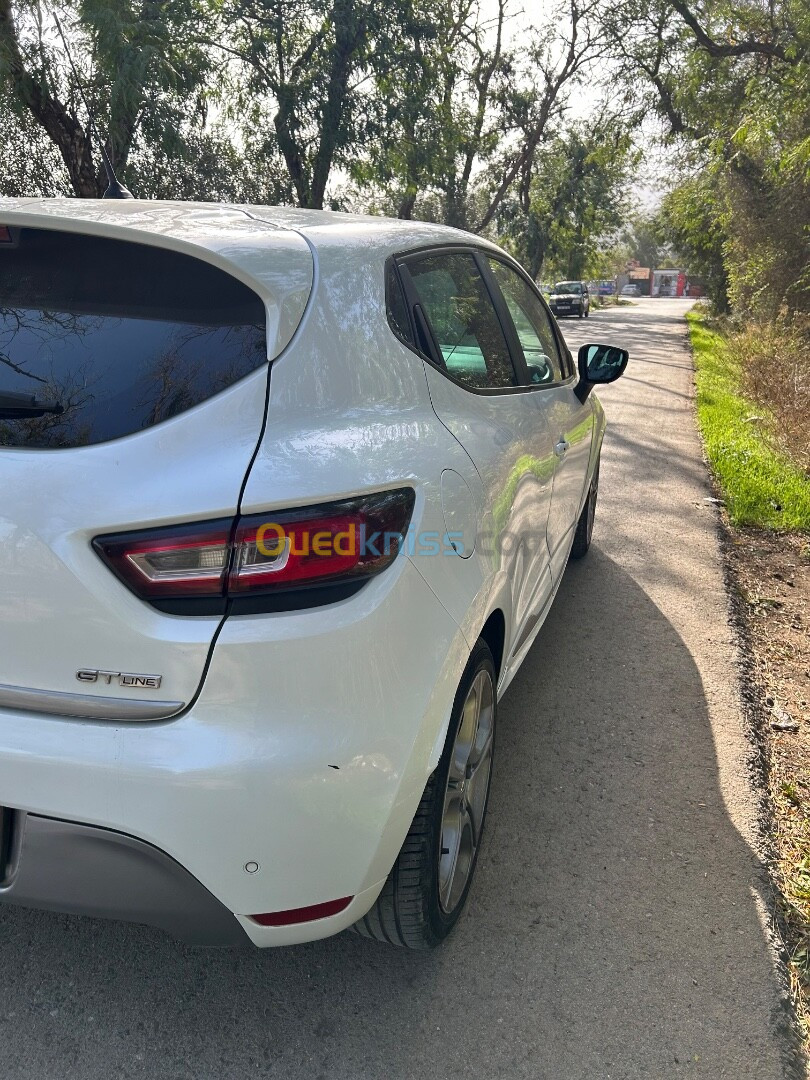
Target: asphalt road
616 927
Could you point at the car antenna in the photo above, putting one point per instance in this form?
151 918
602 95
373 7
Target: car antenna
115 189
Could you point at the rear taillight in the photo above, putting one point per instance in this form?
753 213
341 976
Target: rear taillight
187 561
270 554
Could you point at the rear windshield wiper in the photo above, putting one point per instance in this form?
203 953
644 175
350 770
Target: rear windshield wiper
19 406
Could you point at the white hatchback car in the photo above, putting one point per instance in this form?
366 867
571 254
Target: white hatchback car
286 496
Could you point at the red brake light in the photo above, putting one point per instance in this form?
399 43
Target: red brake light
271 552
263 554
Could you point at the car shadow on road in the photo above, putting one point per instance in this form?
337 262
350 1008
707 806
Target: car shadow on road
609 929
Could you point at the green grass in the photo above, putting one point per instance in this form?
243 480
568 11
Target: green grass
759 486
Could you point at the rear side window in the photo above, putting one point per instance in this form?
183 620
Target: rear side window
118 335
396 307
455 299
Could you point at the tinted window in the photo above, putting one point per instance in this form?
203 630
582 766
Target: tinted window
396 306
533 325
568 287
457 303
120 335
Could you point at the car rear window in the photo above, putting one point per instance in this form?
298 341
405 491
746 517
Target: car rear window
118 335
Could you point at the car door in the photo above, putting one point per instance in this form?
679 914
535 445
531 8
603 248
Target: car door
571 422
480 394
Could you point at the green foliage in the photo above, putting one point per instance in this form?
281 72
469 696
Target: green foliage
31 164
759 485
443 113
137 65
645 239
577 198
730 81
692 219
418 106
467 118
321 72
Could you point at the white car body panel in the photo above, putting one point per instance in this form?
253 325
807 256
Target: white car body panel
55 501
509 442
572 425
313 732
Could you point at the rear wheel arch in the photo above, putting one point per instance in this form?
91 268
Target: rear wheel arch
420 901
493 635
493 632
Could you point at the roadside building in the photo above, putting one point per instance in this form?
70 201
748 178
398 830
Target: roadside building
668 282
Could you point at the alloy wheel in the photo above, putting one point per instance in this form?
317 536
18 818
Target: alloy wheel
465 797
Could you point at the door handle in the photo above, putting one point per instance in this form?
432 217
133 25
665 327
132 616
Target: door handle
561 448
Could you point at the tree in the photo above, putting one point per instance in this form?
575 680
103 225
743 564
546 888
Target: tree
642 237
465 115
553 64
577 200
31 163
308 64
729 82
692 218
131 61
429 110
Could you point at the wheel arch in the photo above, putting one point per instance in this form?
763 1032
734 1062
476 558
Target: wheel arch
493 632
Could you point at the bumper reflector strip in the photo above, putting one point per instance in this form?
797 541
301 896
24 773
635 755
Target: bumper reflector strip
303 914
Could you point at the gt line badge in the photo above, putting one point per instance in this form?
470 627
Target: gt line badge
121 678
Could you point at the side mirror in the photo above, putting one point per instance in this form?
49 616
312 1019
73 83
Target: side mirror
599 364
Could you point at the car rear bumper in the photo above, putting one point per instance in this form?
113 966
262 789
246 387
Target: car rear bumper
81 869
306 754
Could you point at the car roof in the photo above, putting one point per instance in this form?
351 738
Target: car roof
201 223
252 243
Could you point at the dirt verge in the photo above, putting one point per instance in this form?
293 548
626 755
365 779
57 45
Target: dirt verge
769 575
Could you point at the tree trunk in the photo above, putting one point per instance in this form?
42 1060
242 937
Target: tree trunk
350 32
63 129
285 122
407 203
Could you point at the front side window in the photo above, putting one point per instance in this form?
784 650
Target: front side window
457 303
112 337
533 325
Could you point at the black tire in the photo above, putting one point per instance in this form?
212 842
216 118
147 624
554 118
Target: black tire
584 533
587 312
581 311
408 911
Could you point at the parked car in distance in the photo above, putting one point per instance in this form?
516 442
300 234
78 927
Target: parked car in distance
287 496
570 298
630 290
